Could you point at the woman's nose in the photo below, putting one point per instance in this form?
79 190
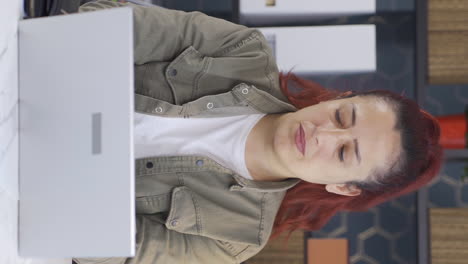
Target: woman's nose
332 136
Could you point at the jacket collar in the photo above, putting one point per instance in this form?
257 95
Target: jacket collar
201 163
242 99
263 186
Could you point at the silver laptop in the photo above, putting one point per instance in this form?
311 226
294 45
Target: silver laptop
76 137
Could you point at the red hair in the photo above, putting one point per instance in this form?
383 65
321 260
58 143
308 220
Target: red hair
309 206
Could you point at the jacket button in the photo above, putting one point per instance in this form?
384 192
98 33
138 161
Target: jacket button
158 109
199 162
173 72
149 165
245 91
209 105
174 223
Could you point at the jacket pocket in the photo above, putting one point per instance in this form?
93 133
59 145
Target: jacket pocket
184 215
152 204
184 72
151 81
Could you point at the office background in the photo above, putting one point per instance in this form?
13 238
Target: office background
386 234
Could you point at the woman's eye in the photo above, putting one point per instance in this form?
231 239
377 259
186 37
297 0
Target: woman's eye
341 153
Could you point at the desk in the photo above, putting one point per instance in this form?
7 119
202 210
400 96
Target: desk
10 14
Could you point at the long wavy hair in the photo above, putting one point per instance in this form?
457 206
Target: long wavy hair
309 206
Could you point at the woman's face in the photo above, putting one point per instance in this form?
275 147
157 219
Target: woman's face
338 141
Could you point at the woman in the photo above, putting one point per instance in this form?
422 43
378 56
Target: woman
224 160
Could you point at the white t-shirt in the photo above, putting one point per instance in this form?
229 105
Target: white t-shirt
222 139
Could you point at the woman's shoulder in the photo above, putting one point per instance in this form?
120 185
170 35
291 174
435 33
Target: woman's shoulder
250 61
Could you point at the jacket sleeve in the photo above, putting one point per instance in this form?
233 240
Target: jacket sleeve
161 34
157 244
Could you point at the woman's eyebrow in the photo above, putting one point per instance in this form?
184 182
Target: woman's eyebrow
353 120
356 144
356 151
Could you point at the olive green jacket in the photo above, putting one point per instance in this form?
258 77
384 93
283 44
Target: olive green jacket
190 209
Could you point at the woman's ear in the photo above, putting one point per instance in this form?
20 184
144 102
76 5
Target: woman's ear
343 189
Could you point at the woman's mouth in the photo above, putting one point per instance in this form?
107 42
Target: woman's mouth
300 140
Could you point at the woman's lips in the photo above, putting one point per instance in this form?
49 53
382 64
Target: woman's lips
300 141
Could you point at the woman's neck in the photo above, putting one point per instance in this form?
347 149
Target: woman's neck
259 154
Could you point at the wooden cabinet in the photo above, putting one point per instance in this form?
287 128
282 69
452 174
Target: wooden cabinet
448 41
276 253
449 235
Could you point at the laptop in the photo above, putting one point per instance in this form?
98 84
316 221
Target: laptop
76 163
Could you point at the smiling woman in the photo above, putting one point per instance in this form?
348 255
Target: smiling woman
367 147
332 142
226 156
